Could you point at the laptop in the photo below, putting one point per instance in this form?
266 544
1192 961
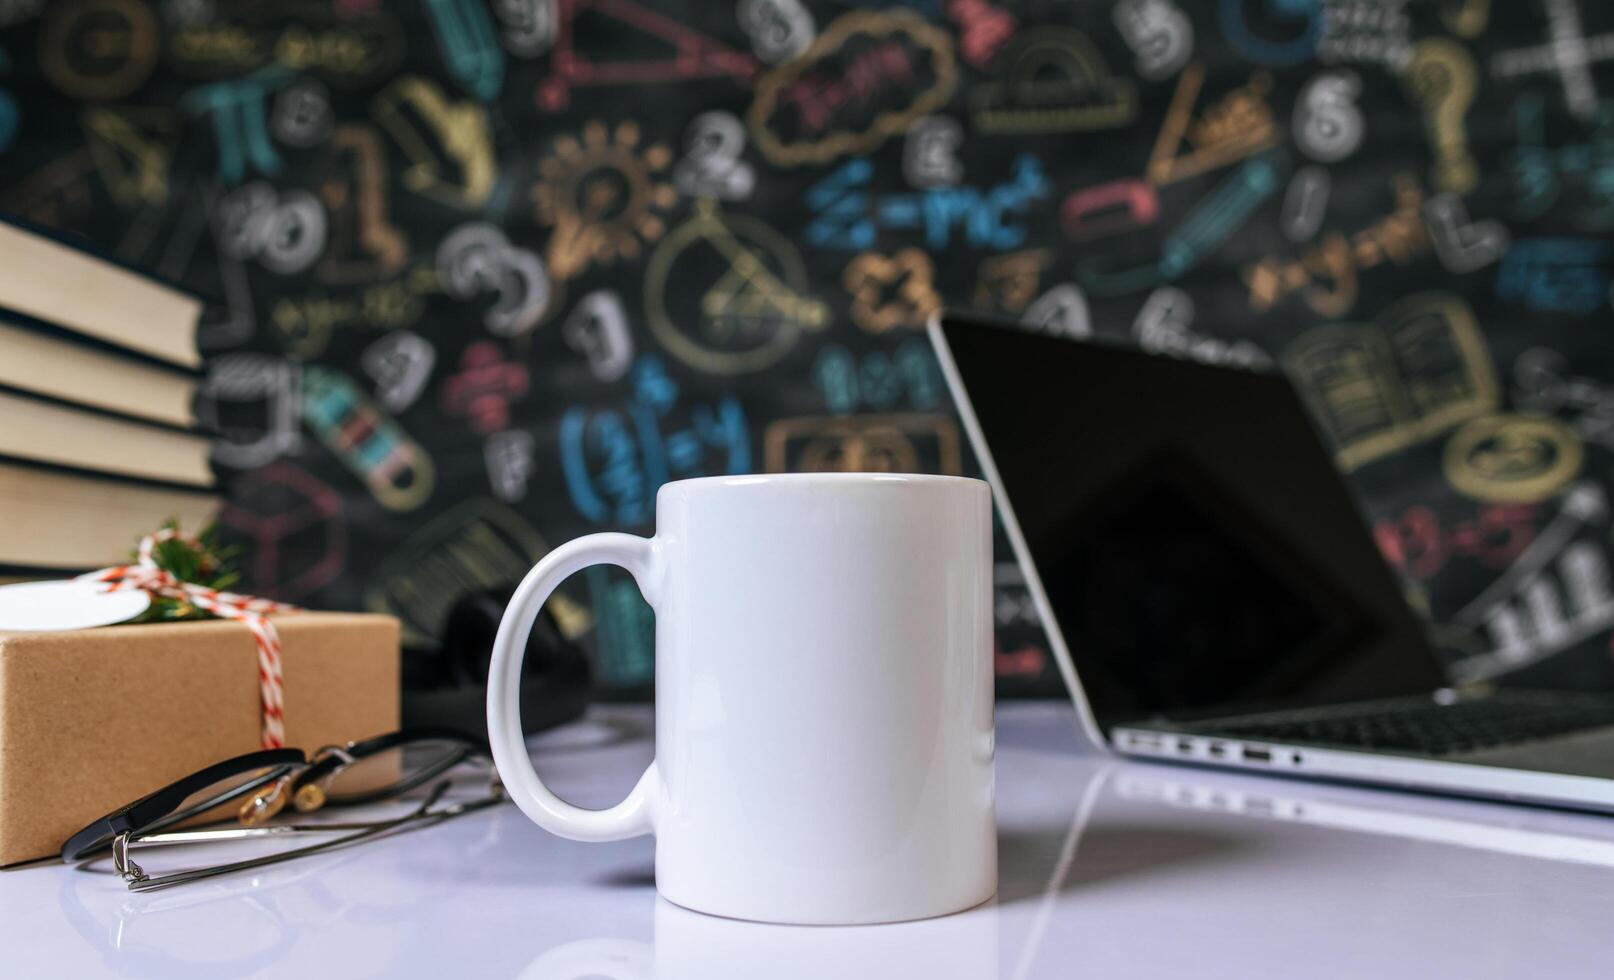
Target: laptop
1210 592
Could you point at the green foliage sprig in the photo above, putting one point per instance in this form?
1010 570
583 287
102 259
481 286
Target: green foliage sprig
204 563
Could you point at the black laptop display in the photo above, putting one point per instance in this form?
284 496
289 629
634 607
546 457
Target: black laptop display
1192 534
1207 579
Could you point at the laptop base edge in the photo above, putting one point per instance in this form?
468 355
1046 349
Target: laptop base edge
1447 778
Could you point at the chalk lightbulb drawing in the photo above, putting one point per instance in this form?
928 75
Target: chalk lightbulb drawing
601 194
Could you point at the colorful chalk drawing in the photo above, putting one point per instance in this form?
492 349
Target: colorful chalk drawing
907 378
602 194
296 527
688 54
1420 369
847 216
1326 275
1539 173
900 443
508 265
822 105
613 460
447 143
396 469
892 291
728 294
1053 80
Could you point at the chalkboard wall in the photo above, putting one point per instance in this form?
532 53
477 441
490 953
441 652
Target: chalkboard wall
487 272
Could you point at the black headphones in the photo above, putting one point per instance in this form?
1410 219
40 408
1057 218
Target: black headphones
447 685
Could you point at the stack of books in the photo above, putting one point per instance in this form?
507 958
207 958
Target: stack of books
98 436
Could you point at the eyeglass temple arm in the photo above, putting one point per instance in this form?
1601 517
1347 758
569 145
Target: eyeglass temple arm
278 830
139 881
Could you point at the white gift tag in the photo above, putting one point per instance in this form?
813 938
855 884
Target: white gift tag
66 605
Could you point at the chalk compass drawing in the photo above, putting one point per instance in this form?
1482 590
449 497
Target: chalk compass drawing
728 294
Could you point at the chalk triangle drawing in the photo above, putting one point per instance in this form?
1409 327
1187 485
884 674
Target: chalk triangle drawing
132 150
690 53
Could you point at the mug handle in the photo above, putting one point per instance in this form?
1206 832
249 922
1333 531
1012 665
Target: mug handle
635 815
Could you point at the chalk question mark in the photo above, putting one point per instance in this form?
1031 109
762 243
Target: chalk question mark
1440 77
1465 18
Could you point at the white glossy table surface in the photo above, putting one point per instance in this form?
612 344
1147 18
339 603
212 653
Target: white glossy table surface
1108 869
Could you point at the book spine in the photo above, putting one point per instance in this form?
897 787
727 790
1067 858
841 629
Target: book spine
22 321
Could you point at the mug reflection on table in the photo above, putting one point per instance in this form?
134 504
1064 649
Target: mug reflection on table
692 946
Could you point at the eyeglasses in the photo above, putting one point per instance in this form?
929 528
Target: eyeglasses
256 787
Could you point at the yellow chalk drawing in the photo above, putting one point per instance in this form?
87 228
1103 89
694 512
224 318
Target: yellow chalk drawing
305 323
751 285
1440 77
347 51
56 193
364 243
601 196
1325 275
864 28
1419 370
891 291
1465 18
132 150
1237 126
449 148
901 443
1008 283
1513 459
1053 80
98 50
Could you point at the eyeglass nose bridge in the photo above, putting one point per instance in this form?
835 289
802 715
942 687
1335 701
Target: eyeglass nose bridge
265 803
341 752
311 796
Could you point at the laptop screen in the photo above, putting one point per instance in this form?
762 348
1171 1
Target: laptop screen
1196 544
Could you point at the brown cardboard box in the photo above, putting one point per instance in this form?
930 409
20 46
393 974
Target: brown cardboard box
93 719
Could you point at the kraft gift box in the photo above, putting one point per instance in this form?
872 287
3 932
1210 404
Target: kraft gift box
93 719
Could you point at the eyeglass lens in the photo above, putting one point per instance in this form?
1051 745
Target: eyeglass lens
399 767
220 800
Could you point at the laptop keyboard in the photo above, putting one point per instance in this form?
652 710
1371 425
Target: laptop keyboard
1423 726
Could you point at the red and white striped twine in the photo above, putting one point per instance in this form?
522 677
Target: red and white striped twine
247 610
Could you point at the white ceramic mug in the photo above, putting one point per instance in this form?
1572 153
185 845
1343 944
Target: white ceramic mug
824 696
